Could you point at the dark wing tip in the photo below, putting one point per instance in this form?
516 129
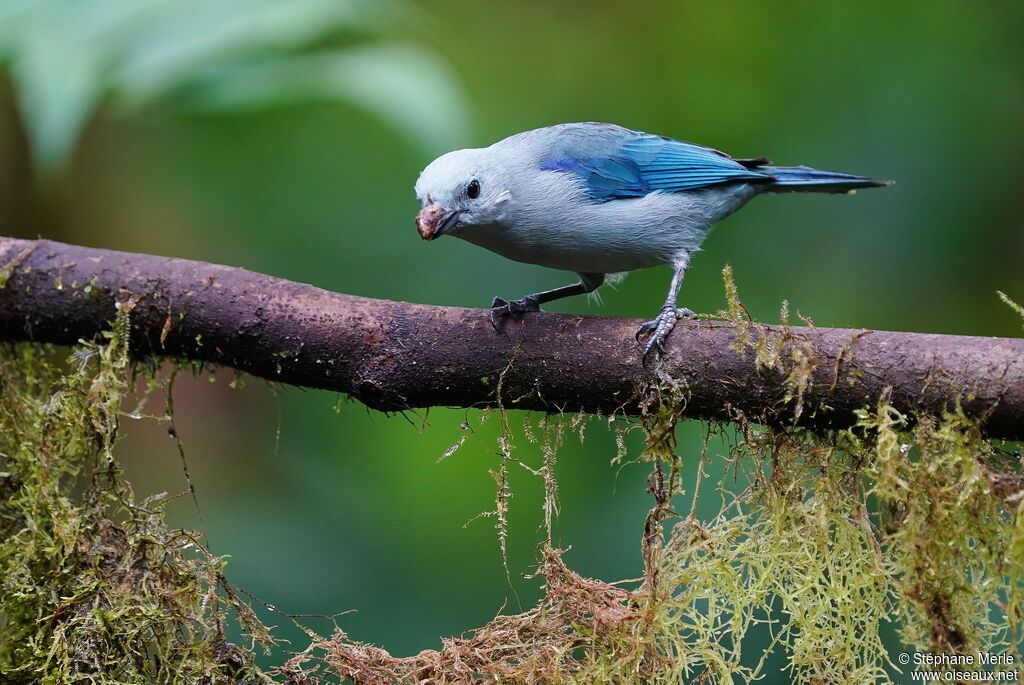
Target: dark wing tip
753 162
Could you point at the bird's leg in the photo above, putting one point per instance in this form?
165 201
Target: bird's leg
660 327
500 307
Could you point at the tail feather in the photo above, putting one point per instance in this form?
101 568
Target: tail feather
802 179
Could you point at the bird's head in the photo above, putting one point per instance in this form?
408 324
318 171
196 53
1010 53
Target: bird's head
461 189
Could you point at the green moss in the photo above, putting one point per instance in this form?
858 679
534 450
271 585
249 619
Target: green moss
951 509
95 587
825 538
7 269
810 545
1011 304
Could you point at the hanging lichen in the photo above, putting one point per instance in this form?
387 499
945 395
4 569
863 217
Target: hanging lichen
94 587
824 538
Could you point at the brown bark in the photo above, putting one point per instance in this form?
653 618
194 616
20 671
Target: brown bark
396 355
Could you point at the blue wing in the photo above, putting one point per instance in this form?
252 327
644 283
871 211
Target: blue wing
621 163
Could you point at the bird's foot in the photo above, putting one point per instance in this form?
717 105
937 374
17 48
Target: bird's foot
659 329
500 308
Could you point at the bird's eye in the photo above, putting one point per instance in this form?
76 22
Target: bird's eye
473 189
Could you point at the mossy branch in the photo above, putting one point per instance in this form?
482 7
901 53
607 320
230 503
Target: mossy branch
394 355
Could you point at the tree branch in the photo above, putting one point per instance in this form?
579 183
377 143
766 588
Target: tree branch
395 355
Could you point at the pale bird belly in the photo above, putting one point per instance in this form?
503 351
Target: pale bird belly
567 250
621 235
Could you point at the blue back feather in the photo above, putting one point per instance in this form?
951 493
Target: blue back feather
634 164
615 162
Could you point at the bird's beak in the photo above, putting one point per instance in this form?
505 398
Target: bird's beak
434 220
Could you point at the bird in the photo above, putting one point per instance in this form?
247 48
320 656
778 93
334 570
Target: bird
600 199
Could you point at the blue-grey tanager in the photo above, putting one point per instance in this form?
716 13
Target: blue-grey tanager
599 199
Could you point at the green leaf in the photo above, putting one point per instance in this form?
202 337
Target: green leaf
67 57
406 86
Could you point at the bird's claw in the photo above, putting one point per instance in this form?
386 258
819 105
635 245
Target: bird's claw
500 308
659 329
645 328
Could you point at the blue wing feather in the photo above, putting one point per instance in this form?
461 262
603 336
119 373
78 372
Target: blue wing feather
634 164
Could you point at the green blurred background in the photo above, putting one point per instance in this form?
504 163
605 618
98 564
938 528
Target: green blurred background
286 138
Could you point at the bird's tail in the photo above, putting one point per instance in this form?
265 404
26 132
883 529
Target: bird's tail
802 179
